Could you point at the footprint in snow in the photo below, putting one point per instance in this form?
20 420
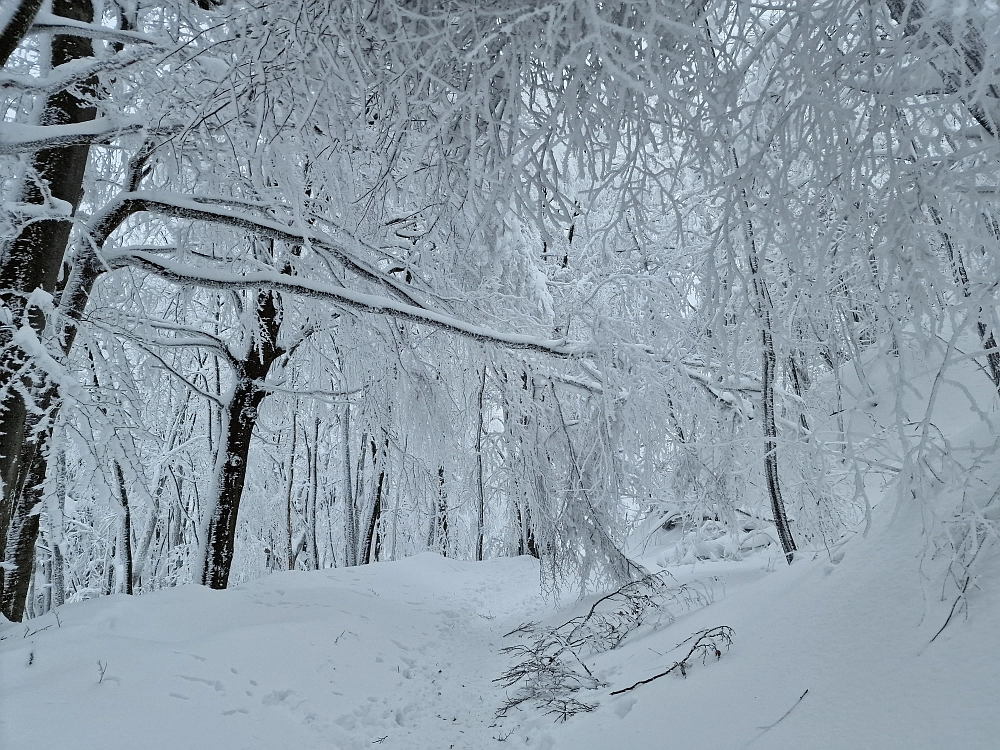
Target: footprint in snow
276 697
219 687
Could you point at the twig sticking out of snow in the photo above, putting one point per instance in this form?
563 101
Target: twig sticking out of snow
769 727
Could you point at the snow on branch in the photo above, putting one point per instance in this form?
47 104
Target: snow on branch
406 306
208 209
16 138
66 75
370 303
48 22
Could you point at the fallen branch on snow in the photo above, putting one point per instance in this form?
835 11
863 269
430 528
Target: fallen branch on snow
706 643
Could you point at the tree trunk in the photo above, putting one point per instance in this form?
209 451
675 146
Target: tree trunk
799 378
771 442
289 551
22 536
769 425
58 570
239 418
314 496
527 544
763 307
371 535
350 521
439 522
17 28
125 543
480 489
32 261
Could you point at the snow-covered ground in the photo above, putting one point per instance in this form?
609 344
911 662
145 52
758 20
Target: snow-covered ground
403 655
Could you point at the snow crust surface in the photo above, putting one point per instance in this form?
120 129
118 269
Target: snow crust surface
403 654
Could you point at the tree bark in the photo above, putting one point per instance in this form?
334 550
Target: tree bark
768 377
22 535
480 489
350 520
439 522
17 28
125 542
32 261
289 544
372 544
314 496
239 420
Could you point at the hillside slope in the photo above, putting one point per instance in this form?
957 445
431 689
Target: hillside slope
402 655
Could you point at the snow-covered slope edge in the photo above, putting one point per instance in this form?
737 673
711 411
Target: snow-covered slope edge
858 634
402 655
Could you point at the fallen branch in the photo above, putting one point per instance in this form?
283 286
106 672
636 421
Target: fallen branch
707 643
551 672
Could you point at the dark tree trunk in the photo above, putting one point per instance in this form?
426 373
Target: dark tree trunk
289 543
350 516
480 489
125 543
764 308
58 575
527 544
769 425
32 261
240 418
17 28
314 497
439 523
799 378
371 535
22 536
771 474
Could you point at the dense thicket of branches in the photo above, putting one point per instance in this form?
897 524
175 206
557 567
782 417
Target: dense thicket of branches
338 282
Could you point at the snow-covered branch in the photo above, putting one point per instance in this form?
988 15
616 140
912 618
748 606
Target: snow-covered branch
370 303
66 75
16 138
47 22
208 210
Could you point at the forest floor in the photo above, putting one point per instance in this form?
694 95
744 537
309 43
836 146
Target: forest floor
835 651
